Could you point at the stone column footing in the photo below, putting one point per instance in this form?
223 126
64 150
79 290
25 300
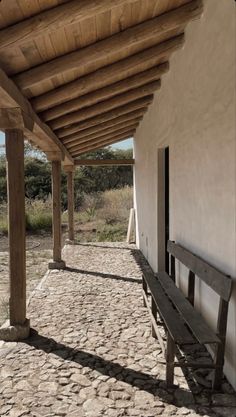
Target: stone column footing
14 333
56 265
69 241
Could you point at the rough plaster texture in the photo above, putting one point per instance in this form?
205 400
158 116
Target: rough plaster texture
194 114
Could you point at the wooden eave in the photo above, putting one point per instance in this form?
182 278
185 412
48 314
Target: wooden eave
82 74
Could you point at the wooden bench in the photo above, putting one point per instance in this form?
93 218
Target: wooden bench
182 322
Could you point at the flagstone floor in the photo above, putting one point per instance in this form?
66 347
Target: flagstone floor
91 353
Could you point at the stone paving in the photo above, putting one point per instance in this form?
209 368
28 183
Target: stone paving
91 352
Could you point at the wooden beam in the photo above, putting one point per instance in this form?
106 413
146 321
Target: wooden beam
108 75
99 121
114 115
104 106
106 140
105 93
57 262
70 207
55 18
104 162
97 136
153 31
16 225
103 144
81 137
33 128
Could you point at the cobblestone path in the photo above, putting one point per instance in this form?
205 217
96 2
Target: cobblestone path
91 352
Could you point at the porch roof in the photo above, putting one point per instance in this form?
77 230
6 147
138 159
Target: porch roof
80 75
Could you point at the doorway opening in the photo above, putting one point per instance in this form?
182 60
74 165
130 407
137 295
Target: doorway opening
163 209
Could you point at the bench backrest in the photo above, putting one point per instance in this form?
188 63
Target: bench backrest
219 282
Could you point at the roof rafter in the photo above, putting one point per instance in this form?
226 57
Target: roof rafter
104 142
53 19
141 103
105 93
108 75
105 106
100 128
40 133
155 30
110 131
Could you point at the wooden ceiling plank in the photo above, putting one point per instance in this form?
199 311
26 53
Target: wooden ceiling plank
54 19
104 117
110 131
154 29
100 128
108 75
40 134
101 144
105 93
105 106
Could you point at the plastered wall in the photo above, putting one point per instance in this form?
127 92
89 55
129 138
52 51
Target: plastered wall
194 114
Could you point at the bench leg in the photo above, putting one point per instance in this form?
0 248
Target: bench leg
170 358
154 313
145 290
219 362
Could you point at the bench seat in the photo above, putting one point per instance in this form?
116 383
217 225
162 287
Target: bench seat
183 323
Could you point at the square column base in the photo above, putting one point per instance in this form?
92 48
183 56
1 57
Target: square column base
15 333
56 265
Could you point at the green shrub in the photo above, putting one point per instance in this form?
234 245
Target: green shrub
39 222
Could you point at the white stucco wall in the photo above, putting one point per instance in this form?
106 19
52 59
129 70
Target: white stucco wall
194 114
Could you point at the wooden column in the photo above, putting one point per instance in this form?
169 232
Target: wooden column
18 328
70 198
57 262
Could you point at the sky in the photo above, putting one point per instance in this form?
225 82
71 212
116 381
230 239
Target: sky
125 144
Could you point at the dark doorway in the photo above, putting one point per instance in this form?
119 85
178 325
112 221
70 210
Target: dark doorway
167 206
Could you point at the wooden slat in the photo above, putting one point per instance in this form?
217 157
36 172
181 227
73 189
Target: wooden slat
104 117
100 128
171 318
101 139
109 74
105 106
155 30
104 162
103 143
104 93
219 282
110 131
51 20
194 320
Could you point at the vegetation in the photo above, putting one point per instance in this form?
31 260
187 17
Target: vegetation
103 196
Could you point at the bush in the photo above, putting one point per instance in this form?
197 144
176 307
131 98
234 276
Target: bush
116 205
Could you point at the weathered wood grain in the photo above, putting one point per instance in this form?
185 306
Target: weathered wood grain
103 127
53 19
112 130
194 320
156 30
218 281
104 117
102 94
105 106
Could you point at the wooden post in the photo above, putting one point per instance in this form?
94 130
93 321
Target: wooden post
131 226
57 262
70 198
170 359
70 190
18 328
